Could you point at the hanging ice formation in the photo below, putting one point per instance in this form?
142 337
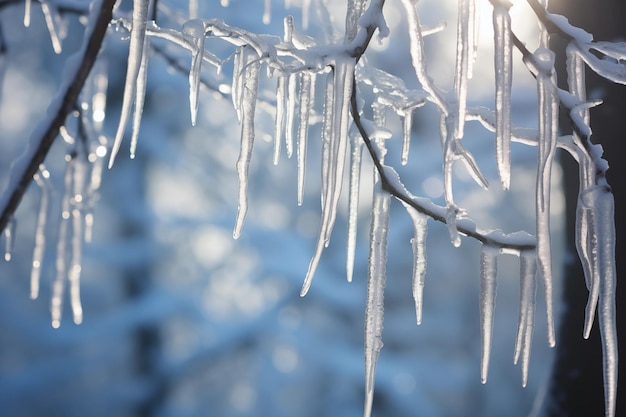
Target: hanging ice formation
295 62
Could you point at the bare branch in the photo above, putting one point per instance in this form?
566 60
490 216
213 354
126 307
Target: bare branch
44 135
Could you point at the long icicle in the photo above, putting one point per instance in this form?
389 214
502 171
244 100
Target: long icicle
548 133
77 202
42 179
135 54
526 321
503 70
250 84
374 310
58 286
307 96
488 271
336 122
353 201
604 222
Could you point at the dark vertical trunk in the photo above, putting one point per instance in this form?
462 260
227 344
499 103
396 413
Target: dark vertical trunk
576 387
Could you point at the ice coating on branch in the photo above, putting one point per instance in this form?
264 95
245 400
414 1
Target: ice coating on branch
488 271
526 320
307 97
548 134
279 120
334 149
353 201
194 31
42 179
418 243
604 225
9 239
135 56
503 70
249 86
377 275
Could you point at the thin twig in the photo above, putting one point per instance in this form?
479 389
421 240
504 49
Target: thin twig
45 134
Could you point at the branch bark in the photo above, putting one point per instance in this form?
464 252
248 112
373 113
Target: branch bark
78 68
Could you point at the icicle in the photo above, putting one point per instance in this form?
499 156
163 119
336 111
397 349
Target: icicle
194 31
306 7
503 70
267 12
354 12
9 239
420 229
291 110
418 58
142 79
488 270
307 96
336 122
526 321
474 32
42 179
237 80
461 71
604 225
375 290
250 84
135 56
548 125
586 239
78 190
27 8
193 9
587 248
279 121
56 26
58 286
407 124
353 201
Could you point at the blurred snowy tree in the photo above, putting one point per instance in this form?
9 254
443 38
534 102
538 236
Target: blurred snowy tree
193 321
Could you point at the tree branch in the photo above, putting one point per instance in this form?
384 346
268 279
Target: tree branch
78 68
499 240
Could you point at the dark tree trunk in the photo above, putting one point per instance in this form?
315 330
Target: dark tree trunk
576 387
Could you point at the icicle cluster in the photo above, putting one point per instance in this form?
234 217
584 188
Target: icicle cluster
298 63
